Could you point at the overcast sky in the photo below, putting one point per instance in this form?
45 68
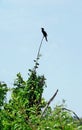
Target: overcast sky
61 61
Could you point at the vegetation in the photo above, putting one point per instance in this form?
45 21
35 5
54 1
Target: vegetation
28 110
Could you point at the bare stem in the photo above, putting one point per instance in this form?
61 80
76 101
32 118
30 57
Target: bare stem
38 55
51 99
72 112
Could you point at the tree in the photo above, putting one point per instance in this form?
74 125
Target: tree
28 110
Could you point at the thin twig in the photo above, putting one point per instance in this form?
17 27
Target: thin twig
51 99
72 112
38 55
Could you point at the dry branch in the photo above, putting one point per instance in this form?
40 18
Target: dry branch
72 112
51 99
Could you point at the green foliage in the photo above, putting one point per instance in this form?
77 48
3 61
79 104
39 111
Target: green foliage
26 103
3 91
58 119
24 111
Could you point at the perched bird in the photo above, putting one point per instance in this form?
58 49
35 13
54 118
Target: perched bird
44 33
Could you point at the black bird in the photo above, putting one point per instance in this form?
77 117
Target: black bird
44 33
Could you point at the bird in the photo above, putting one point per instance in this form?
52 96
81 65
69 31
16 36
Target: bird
44 34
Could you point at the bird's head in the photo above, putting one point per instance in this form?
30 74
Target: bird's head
42 28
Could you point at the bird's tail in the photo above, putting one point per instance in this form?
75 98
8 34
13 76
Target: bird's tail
46 39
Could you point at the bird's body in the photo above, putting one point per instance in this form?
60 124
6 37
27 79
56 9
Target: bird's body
44 33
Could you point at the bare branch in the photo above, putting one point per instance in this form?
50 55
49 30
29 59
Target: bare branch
72 112
51 99
38 56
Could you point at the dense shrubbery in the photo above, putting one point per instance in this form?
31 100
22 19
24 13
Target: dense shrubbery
26 108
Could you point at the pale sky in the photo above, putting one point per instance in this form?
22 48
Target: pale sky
61 61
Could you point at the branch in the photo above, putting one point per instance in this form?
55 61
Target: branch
51 99
38 55
72 112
